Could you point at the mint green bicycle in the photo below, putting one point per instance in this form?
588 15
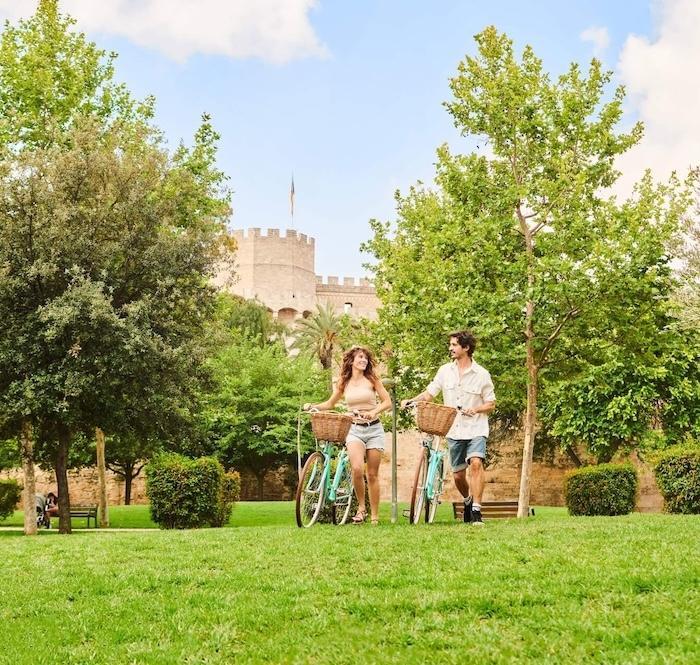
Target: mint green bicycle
435 421
319 483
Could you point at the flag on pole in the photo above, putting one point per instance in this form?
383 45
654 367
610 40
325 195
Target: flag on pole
291 197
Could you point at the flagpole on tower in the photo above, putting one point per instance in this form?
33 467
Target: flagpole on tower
291 200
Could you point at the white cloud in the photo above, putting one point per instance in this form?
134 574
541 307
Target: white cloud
661 80
599 37
273 30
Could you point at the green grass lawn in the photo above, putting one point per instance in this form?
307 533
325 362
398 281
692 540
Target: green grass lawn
552 589
259 513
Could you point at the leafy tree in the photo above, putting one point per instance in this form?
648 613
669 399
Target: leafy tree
237 318
520 244
318 336
251 416
126 455
107 243
105 291
687 296
50 75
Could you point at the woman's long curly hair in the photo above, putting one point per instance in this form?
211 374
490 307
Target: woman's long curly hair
346 368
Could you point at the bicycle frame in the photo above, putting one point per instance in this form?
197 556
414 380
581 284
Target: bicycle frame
320 485
331 487
428 481
435 456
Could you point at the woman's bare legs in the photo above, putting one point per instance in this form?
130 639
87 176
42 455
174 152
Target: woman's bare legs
356 454
374 457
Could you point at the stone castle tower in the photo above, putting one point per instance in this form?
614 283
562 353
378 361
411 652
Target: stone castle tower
279 270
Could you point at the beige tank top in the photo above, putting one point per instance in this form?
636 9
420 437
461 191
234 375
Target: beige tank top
360 397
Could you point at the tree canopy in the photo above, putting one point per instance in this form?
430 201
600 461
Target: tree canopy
519 241
107 245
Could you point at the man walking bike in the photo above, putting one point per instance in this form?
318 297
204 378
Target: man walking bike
466 386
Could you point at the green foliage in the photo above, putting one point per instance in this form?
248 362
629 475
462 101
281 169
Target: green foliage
605 489
230 492
186 493
50 75
108 243
523 240
10 493
238 319
9 454
318 336
687 296
250 418
677 472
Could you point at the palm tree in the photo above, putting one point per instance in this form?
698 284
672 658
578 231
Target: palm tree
319 335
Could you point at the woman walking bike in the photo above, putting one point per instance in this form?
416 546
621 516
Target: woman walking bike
366 398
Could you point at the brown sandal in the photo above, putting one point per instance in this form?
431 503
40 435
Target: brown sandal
360 517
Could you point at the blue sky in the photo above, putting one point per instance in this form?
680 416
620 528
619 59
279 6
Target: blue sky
358 117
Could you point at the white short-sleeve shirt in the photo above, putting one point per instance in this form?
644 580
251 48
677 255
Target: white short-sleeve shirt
473 389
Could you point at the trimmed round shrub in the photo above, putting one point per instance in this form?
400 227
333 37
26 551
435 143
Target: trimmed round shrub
677 473
186 493
606 489
10 493
230 492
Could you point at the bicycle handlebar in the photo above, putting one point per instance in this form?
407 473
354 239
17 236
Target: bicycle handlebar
354 414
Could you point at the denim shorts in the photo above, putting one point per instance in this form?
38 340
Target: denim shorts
372 436
462 450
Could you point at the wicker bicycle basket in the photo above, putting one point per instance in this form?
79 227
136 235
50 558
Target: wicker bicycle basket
434 418
331 426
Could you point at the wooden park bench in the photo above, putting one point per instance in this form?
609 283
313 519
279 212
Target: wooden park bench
89 512
490 509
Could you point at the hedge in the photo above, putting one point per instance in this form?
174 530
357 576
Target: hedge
10 493
189 493
677 473
606 489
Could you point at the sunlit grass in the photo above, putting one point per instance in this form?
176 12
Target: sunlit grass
548 589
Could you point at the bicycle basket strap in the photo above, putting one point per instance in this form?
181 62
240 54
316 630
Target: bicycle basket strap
331 426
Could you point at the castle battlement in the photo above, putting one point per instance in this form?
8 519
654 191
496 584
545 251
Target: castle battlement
276 266
260 234
348 284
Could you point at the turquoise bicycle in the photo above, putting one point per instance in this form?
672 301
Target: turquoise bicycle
319 483
435 421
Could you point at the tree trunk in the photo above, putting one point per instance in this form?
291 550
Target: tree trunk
607 454
532 369
61 467
573 456
29 492
529 443
102 477
128 479
260 476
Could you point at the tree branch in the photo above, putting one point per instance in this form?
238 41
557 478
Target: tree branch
552 338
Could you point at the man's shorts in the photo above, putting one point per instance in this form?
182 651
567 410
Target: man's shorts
372 436
462 450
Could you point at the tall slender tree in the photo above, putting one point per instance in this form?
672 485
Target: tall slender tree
519 239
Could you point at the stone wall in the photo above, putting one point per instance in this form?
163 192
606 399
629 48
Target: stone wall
83 486
357 299
503 476
502 479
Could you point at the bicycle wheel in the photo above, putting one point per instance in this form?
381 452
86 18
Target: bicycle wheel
434 502
311 492
418 493
343 496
